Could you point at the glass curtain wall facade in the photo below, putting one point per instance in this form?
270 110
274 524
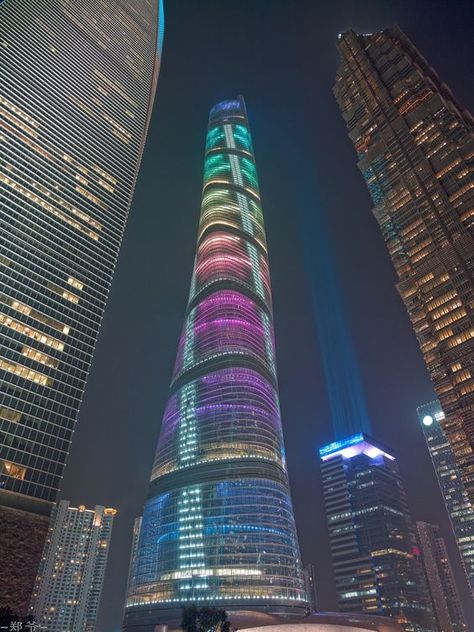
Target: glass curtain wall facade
414 145
458 505
218 525
77 85
375 562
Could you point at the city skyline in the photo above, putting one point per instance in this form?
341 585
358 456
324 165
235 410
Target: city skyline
115 373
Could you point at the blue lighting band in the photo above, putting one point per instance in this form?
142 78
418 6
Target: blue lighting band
339 445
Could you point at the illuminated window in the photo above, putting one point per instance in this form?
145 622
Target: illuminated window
42 358
49 207
462 376
12 469
25 372
75 283
465 390
463 337
91 197
457 314
8 414
69 296
32 333
42 318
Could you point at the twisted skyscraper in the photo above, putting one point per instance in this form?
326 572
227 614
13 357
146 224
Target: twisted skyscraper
218 525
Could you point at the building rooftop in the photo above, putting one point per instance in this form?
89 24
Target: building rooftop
352 446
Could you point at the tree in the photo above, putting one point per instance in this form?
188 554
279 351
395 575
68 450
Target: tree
11 621
189 619
206 619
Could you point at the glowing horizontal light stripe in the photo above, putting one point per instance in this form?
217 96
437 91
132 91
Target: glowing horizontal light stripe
225 107
207 572
249 190
337 445
353 446
281 597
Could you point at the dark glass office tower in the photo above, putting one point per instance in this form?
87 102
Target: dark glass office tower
458 505
414 144
77 85
442 586
218 524
375 561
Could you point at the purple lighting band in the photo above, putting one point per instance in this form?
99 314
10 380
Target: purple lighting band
219 476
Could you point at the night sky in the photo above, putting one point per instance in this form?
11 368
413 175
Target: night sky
281 55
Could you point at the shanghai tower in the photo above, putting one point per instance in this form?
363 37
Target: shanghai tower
78 80
218 526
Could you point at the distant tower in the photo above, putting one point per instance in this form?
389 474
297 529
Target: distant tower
78 81
370 531
137 526
71 573
309 573
441 583
414 145
218 525
458 506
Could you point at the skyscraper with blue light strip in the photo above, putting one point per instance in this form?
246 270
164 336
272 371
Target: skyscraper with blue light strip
375 561
218 524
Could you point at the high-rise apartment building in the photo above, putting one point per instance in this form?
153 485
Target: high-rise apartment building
442 586
77 85
414 144
375 562
68 587
218 525
458 505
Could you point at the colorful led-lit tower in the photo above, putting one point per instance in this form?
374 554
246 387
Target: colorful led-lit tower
218 525
375 561
78 80
414 145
